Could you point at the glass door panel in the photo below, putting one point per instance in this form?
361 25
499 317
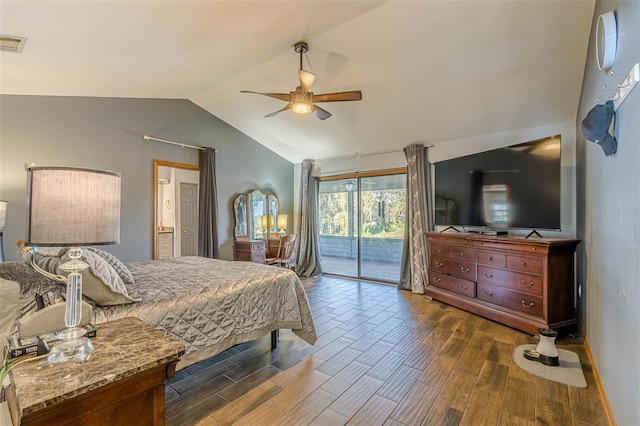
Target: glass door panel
367 244
338 226
383 207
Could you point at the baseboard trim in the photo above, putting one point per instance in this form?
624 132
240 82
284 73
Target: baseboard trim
596 374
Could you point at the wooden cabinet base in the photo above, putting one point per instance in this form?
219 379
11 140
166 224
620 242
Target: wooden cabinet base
137 399
250 251
524 284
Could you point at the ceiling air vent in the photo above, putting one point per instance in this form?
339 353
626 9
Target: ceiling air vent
12 43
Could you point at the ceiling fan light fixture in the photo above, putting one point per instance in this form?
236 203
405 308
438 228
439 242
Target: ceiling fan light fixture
301 108
302 100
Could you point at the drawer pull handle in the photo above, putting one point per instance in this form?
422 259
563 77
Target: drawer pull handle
439 264
529 285
490 257
530 305
461 254
464 287
464 270
436 279
488 275
523 263
488 293
439 250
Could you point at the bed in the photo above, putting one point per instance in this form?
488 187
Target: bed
208 305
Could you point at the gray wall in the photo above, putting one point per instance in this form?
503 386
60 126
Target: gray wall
608 222
106 133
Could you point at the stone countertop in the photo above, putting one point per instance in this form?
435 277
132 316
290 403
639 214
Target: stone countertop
122 348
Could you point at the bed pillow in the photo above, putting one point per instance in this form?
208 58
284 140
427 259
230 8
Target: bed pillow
100 282
10 295
120 268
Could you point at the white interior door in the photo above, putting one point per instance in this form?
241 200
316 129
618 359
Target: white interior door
188 219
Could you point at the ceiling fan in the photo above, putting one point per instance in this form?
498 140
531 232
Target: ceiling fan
301 100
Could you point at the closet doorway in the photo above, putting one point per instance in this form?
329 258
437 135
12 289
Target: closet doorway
361 221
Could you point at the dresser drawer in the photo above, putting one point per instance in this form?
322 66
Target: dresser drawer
250 251
438 250
525 264
525 283
466 270
489 258
463 253
456 285
510 299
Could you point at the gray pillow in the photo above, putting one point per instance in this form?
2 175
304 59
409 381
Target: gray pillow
100 282
120 268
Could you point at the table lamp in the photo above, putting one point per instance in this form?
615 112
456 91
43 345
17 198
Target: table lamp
282 223
3 217
72 207
267 224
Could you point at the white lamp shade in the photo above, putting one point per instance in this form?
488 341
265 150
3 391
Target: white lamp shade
3 213
282 221
69 206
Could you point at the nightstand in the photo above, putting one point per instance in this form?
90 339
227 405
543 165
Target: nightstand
122 383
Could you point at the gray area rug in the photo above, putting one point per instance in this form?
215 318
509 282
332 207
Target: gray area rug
569 372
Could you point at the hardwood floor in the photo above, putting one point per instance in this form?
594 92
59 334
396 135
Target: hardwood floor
383 357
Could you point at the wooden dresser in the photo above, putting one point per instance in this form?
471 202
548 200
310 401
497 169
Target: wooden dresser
523 283
250 250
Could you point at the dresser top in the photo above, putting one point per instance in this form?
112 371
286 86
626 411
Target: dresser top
122 348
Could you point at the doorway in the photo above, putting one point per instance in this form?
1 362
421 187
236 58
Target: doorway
361 224
167 217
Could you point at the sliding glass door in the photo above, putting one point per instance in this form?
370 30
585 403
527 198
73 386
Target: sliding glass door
361 224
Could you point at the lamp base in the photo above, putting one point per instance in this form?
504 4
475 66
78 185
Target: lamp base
72 347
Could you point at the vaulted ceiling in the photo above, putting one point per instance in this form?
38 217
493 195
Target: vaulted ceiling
428 70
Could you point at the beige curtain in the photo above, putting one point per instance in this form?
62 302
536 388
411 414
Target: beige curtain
309 261
415 262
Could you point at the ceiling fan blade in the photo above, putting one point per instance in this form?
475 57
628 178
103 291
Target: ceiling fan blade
286 107
354 95
322 114
306 80
281 96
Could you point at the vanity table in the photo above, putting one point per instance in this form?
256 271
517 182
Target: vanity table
256 226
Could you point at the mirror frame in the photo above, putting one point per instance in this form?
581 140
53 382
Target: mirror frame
156 163
236 203
251 216
269 200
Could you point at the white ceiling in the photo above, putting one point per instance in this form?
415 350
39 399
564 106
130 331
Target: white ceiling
428 70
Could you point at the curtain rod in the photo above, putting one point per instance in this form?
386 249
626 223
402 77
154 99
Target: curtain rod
182 145
358 155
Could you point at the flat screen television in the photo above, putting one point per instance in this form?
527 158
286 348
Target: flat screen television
515 187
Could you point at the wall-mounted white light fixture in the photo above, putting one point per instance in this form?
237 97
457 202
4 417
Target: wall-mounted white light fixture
606 40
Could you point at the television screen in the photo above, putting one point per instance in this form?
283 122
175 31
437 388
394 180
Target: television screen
513 187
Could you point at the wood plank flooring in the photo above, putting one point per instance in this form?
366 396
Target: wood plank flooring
383 357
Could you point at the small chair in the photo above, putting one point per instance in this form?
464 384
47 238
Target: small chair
286 249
